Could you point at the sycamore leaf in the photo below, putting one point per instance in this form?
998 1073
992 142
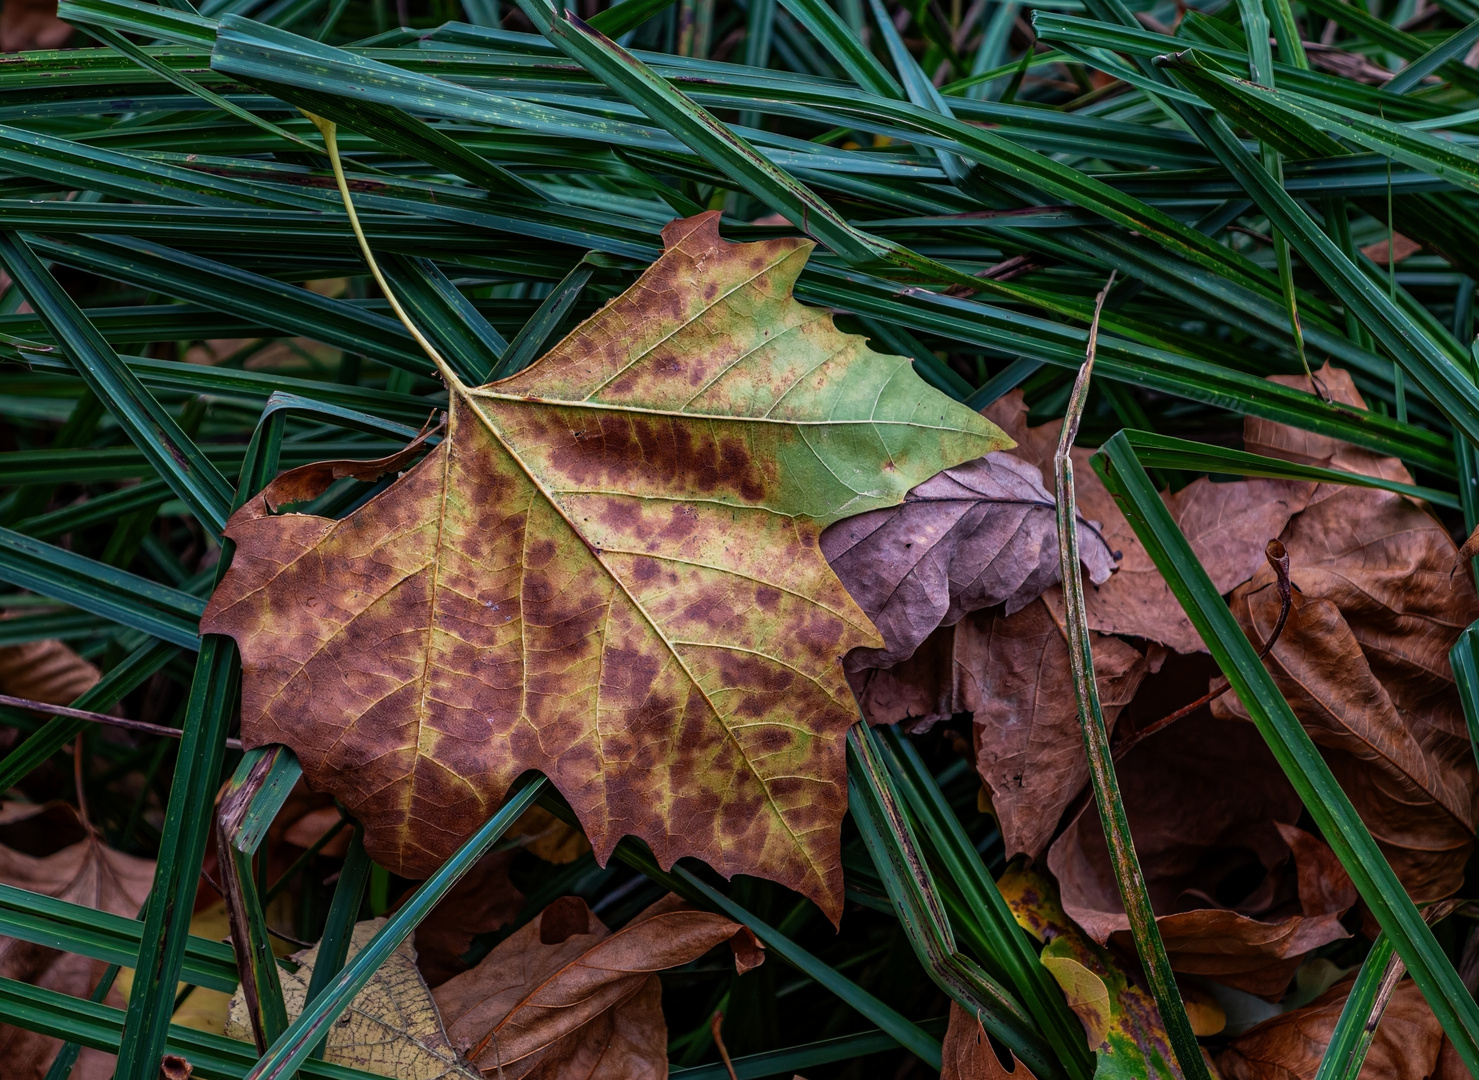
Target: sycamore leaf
971 537
1131 1039
565 997
608 571
392 1028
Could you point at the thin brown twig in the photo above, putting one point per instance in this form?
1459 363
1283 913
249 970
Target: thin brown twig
715 1023
1278 558
142 726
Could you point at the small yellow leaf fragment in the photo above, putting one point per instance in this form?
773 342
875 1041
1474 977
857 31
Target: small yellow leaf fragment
1087 995
1202 1009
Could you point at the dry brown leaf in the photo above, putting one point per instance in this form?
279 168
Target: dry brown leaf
1240 894
972 537
563 986
1404 248
86 873
1407 1045
969 1055
1226 524
1364 658
31 24
47 670
391 1028
483 900
608 571
1012 672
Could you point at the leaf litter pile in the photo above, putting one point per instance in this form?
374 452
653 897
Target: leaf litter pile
665 566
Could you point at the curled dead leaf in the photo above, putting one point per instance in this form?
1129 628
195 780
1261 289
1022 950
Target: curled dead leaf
609 571
46 670
970 537
1227 525
391 1028
1240 893
550 997
1409 1043
1364 659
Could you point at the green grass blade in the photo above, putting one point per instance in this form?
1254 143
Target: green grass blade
155 432
1345 1053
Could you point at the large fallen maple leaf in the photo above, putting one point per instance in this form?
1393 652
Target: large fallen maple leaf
609 571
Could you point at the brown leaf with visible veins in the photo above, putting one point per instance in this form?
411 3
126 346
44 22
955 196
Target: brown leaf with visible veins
46 670
1408 1044
87 873
565 997
1363 660
1227 525
969 1055
975 536
1213 819
608 571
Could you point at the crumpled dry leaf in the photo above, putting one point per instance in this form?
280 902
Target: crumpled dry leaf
1363 660
31 24
1240 893
391 1028
1133 1041
1012 672
969 1055
970 537
609 571
1227 525
565 997
87 873
47 670
1409 1043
